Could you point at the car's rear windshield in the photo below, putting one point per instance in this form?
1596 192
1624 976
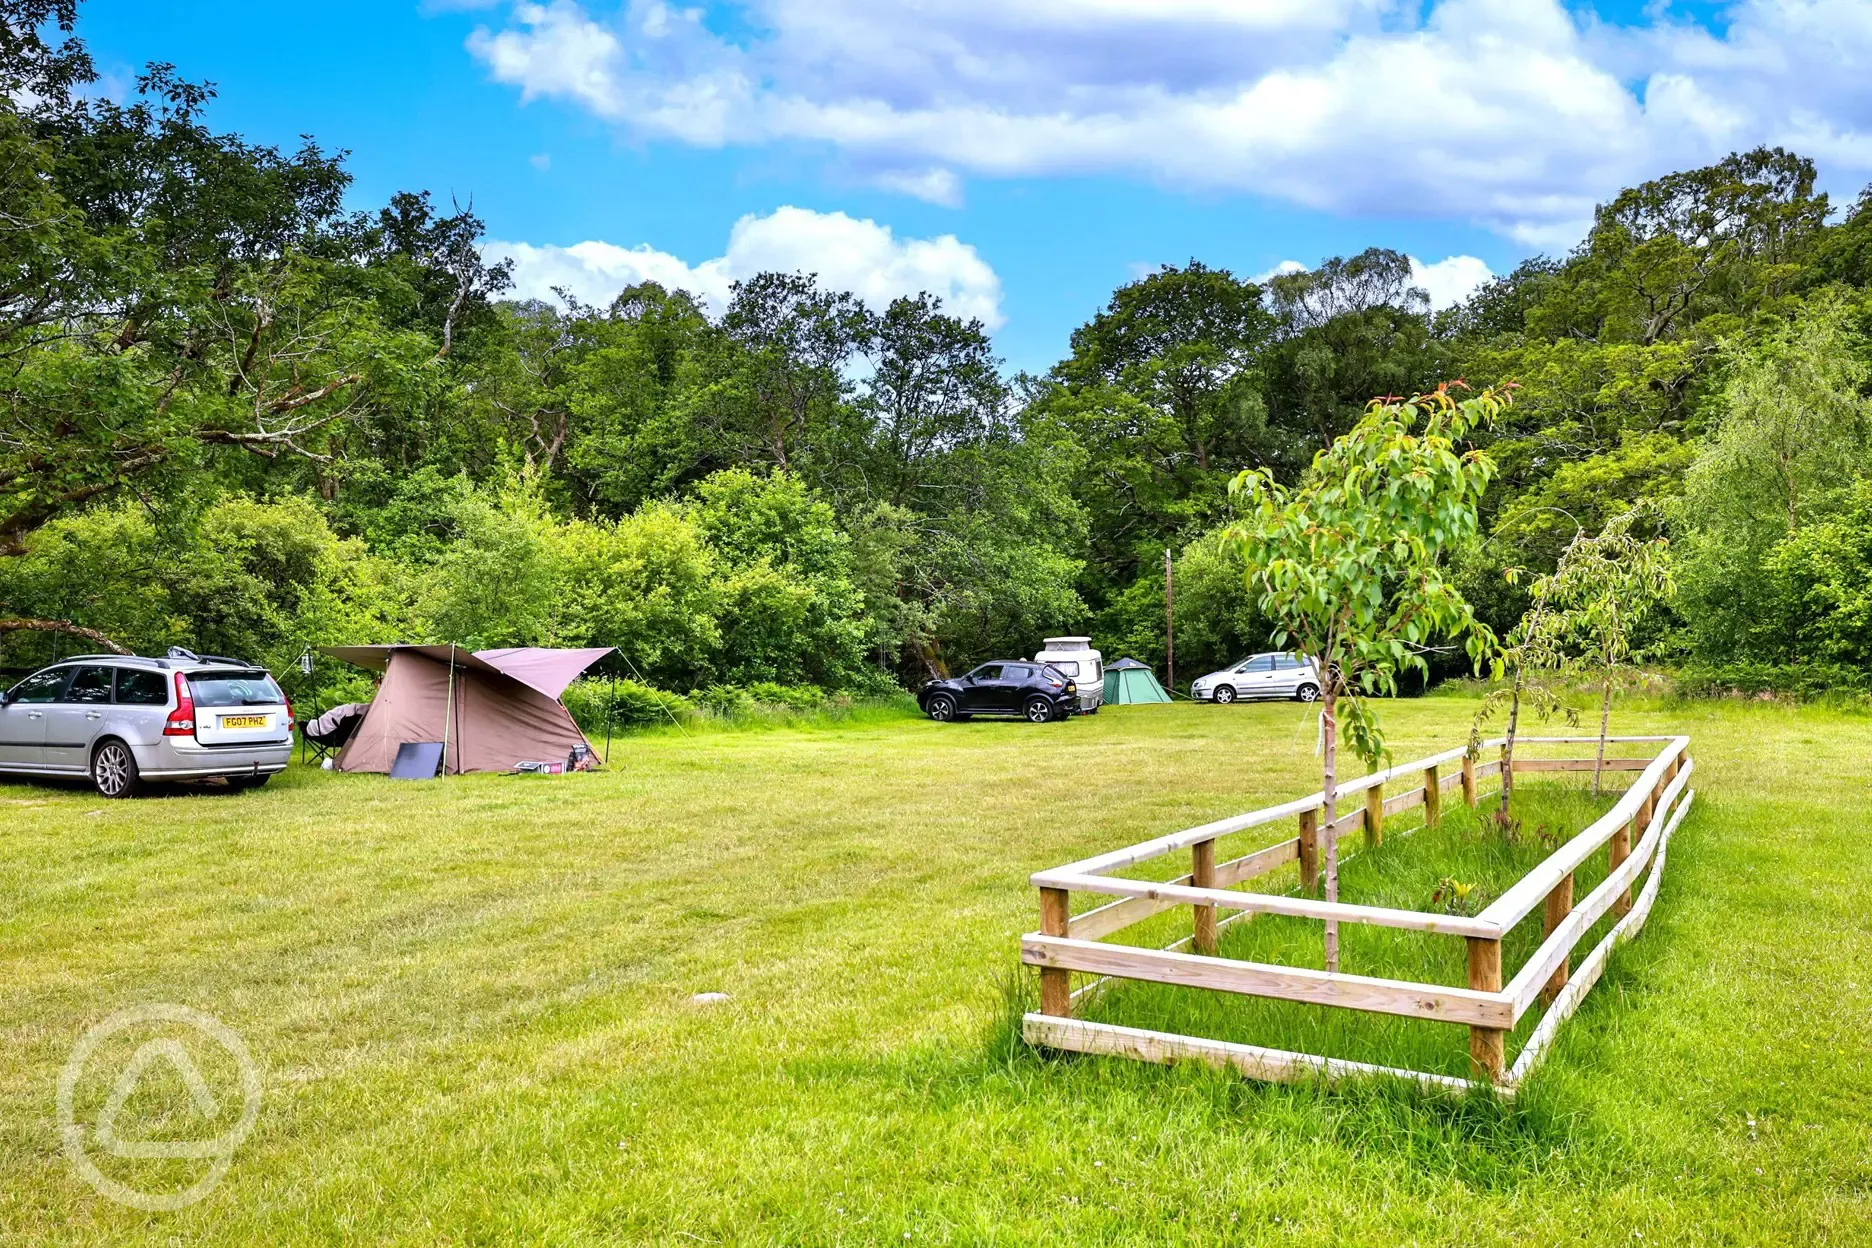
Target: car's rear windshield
234 689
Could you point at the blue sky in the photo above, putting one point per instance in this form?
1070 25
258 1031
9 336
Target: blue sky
1021 156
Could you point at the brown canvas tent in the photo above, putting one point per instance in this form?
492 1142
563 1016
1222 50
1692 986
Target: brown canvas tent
492 708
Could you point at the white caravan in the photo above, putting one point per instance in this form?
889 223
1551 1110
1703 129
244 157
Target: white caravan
1076 658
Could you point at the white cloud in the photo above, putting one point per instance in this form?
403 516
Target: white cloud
935 186
561 52
541 162
1510 113
1280 270
861 256
1450 280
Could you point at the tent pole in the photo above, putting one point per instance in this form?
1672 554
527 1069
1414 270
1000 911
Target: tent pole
610 711
448 713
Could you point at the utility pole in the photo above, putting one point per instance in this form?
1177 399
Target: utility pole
1170 620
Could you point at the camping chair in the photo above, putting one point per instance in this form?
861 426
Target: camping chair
330 732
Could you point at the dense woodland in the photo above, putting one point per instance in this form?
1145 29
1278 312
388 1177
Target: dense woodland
241 415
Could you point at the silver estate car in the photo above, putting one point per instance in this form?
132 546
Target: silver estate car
1263 676
126 721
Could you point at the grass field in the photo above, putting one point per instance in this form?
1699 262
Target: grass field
472 1005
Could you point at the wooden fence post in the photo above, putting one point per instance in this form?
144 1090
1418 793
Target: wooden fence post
1621 850
1432 798
1468 780
1202 875
1487 1047
1622 842
1374 816
1559 905
1055 983
1309 852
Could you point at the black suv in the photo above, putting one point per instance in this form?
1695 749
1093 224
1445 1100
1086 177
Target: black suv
1037 692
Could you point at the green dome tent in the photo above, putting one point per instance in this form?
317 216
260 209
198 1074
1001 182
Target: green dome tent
1128 680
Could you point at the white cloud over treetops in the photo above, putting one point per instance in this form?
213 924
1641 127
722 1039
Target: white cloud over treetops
861 256
1447 282
1514 114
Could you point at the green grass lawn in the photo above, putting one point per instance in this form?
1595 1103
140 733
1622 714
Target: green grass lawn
471 1001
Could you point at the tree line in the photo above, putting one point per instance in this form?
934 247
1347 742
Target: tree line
241 415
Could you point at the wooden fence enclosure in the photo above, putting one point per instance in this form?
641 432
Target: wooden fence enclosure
1634 834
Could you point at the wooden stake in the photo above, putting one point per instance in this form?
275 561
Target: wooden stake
1432 798
1487 1047
1468 780
1309 852
1374 816
1559 905
1170 620
1055 984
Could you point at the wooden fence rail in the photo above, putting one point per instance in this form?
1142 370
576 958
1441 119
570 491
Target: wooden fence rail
1635 833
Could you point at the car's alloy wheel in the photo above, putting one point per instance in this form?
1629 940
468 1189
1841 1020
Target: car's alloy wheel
1225 694
1038 712
114 770
1308 693
942 708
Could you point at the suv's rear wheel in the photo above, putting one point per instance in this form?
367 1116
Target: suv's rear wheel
1039 711
942 708
1307 693
1224 694
114 770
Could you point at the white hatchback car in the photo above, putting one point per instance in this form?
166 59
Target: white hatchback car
1263 676
123 721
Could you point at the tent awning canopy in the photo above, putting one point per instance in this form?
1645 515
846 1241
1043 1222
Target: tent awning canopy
548 671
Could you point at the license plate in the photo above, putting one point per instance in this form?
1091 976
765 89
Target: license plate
245 721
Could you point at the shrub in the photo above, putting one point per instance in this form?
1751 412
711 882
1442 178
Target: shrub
625 704
1799 680
764 697
793 697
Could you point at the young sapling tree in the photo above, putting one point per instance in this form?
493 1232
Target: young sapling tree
1350 566
1601 589
1533 658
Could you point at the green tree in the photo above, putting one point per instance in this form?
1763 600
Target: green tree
1822 582
790 610
208 296
1795 432
1162 392
1349 566
1351 328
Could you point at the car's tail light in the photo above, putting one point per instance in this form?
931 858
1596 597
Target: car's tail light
289 711
182 719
